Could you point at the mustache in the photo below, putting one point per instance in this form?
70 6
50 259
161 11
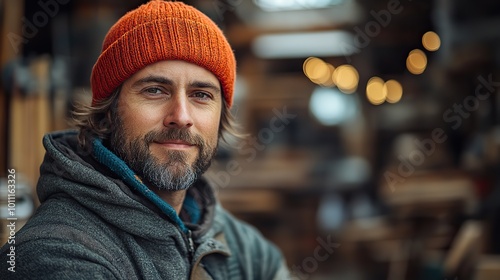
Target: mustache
173 134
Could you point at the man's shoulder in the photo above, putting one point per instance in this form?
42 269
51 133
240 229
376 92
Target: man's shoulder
48 252
55 239
61 209
61 218
242 235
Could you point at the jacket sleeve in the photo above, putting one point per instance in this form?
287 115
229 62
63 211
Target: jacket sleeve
53 259
258 258
283 273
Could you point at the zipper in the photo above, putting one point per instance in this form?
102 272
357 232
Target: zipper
190 244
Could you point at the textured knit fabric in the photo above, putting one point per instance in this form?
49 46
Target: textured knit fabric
161 30
119 167
91 225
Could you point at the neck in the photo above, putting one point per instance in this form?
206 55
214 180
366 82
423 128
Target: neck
174 198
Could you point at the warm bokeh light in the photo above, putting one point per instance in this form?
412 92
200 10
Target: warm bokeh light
416 62
318 71
431 41
375 91
327 79
320 74
313 67
393 91
346 78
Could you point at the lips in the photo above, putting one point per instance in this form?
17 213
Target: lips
180 142
175 144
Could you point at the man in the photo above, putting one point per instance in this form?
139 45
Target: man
123 198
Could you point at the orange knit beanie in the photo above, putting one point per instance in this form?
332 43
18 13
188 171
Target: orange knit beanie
161 30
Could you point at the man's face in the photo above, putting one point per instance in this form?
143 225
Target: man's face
167 122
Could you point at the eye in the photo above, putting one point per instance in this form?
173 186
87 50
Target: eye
153 91
202 95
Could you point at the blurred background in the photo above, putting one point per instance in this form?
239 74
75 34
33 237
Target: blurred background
374 125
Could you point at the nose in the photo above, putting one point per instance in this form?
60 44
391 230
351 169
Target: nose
178 113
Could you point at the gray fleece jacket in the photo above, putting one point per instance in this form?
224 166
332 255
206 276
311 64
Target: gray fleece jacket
97 221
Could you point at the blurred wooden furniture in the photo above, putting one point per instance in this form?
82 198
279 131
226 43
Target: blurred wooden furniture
421 217
487 268
431 194
464 253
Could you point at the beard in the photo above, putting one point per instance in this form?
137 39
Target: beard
175 173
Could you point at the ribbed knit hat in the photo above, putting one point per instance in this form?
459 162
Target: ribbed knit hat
162 30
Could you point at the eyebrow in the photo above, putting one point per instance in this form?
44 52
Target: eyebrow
205 85
167 81
152 79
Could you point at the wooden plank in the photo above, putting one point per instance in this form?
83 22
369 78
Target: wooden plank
42 121
466 245
9 27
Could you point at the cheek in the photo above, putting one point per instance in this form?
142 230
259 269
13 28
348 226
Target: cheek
137 122
209 127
